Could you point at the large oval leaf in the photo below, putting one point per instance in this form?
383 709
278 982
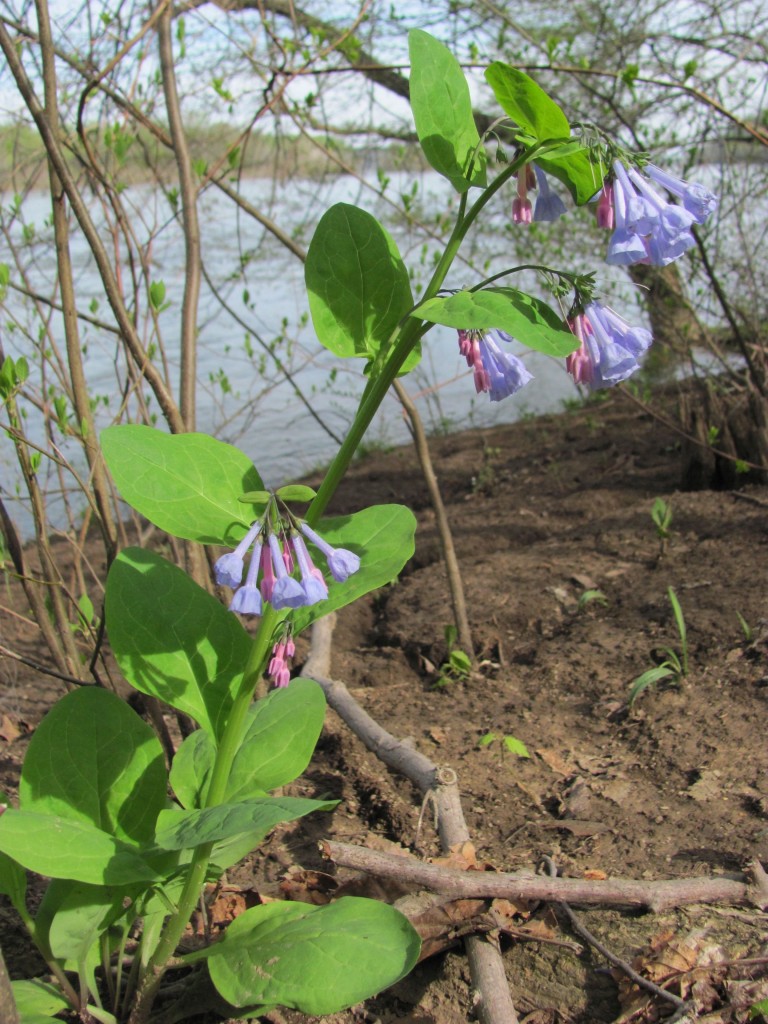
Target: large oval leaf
315 959
187 484
93 759
173 640
357 284
527 103
442 110
529 320
62 848
283 729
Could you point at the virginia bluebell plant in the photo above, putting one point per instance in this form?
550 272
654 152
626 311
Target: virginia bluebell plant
127 847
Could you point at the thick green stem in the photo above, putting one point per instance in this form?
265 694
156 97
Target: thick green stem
411 331
229 744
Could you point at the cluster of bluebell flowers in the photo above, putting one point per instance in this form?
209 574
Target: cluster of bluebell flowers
549 206
610 348
276 551
646 227
496 372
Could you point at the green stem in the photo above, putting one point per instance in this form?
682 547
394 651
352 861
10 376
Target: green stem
41 942
411 331
574 279
229 744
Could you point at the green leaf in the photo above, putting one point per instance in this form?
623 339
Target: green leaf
442 110
582 171
180 830
529 320
527 103
357 284
460 662
192 767
383 538
282 733
296 492
83 912
63 848
173 640
7 377
13 882
22 370
649 678
37 1000
516 746
254 497
187 484
315 959
92 759
157 294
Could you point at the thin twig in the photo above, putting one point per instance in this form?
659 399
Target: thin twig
588 937
38 667
455 584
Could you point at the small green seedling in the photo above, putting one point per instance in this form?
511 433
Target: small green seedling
457 666
746 629
590 597
508 743
759 1011
661 514
674 666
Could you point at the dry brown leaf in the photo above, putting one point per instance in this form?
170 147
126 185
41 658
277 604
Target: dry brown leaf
554 761
437 735
443 924
595 875
682 964
304 886
509 908
584 581
9 731
461 857
226 907
578 800
708 787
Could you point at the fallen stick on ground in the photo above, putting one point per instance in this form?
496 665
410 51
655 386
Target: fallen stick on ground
493 1003
613 892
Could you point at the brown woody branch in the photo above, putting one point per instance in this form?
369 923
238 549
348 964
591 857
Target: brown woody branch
616 892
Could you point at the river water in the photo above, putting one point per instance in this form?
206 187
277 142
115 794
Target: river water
238 400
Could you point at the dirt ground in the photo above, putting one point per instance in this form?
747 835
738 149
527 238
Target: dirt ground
544 513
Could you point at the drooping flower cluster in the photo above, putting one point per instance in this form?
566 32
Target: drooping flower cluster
497 372
646 227
277 549
610 349
549 206
278 670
